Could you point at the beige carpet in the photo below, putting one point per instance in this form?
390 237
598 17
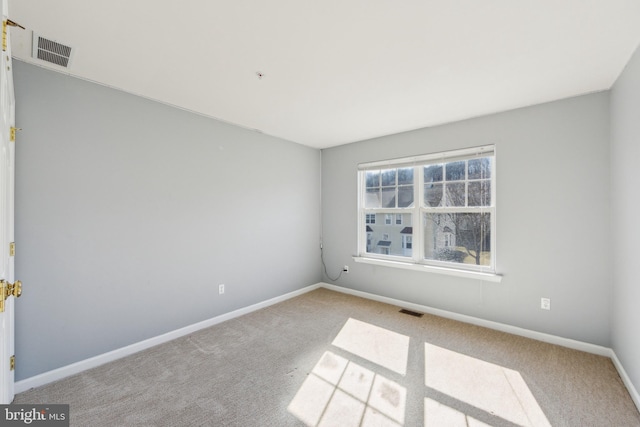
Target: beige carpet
326 358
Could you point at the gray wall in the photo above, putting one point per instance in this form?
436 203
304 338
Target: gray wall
625 155
553 237
129 213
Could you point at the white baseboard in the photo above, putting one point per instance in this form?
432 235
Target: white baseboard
83 365
625 379
552 339
101 359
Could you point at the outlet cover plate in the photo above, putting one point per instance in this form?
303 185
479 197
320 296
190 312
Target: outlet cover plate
545 303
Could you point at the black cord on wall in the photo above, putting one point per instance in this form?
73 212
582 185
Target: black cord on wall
325 267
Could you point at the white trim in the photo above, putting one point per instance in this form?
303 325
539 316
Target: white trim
527 333
450 155
540 336
83 365
635 396
101 359
487 277
419 209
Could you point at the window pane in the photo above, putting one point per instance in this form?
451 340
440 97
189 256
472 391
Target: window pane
390 239
455 194
372 198
432 195
480 168
405 176
458 237
405 196
389 197
452 222
389 177
432 173
480 193
373 179
455 170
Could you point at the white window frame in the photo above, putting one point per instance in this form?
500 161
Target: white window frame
398 219
417 210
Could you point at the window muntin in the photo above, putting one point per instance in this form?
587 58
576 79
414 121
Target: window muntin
458 237
459 183
389 188
451 207
389 239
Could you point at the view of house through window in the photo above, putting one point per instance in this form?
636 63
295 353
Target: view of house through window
444 203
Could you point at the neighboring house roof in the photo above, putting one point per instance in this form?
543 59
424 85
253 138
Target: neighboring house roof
384 243
407 230
369 229
448 230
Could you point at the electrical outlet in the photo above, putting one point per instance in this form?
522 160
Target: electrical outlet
346 269
220 289
545 303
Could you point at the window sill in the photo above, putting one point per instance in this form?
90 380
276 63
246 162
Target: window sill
487 277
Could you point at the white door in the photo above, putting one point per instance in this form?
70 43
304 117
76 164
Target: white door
7 159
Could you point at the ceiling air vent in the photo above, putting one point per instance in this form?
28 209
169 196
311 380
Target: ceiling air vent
51 51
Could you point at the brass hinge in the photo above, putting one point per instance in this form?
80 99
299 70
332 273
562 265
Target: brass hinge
12 363
5 23
4 35
9 289
12 133
3 294
12 249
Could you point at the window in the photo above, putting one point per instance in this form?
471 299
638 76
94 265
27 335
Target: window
446 202
407 242
447 239
371 218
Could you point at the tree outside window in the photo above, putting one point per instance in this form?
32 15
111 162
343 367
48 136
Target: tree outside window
445 203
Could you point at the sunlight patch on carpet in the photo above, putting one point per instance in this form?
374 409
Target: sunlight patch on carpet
437 414
339 392
494 389
378 345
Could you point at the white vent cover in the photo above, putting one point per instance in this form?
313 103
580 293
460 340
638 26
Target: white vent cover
51 51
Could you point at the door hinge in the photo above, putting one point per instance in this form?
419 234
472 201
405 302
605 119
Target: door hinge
4 35
3 294
12 249
9 289
12 133
12 363
5 23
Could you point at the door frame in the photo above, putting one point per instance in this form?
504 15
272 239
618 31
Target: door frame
7 191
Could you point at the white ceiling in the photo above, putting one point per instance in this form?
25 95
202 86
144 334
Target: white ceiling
339 71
